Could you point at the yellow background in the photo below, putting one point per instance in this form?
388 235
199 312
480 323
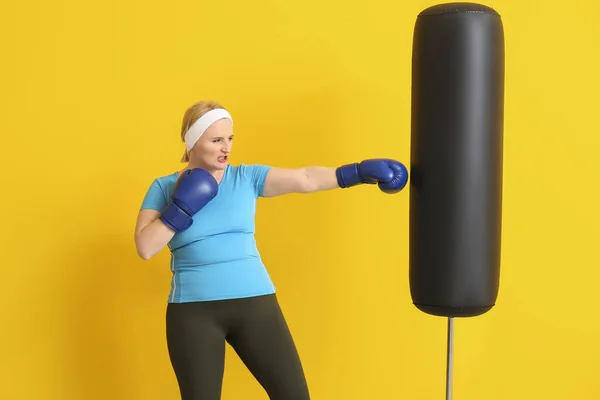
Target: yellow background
92 100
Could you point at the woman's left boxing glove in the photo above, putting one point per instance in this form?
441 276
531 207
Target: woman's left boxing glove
390 175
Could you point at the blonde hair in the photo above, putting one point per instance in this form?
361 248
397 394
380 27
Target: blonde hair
191 115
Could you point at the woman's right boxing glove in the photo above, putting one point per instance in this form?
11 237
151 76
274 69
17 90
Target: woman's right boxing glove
194 189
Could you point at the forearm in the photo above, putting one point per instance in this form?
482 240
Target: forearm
320 178
152 239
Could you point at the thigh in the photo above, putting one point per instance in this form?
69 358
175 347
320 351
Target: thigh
264 343
196 345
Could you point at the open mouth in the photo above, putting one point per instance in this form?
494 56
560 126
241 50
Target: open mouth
222 159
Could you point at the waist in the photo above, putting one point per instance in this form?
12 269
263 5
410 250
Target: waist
216 249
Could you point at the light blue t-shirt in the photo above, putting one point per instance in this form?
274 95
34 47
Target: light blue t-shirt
217 257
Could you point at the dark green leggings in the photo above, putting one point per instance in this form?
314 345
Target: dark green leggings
254 327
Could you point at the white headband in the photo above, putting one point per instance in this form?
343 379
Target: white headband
198 127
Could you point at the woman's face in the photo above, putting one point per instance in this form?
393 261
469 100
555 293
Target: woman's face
212 149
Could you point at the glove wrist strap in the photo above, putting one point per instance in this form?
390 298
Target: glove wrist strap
348 175
175 218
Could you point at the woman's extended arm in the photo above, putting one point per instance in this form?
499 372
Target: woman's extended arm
282 181
391 176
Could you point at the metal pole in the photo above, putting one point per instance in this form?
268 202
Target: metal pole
449 358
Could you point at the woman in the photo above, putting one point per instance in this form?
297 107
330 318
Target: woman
220 289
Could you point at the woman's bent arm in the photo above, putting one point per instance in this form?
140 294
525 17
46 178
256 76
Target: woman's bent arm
151 234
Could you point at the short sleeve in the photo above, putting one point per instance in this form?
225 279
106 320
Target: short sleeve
257 174
155 198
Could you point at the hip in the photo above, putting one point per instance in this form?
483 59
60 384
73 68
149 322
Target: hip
227 280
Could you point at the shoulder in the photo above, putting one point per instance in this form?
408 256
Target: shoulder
244 168
253 175
159 192
166 179
248 171
164 183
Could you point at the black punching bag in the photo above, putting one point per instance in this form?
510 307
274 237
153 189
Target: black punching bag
456 159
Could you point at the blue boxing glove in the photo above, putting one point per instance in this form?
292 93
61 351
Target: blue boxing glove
390 175
195 188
